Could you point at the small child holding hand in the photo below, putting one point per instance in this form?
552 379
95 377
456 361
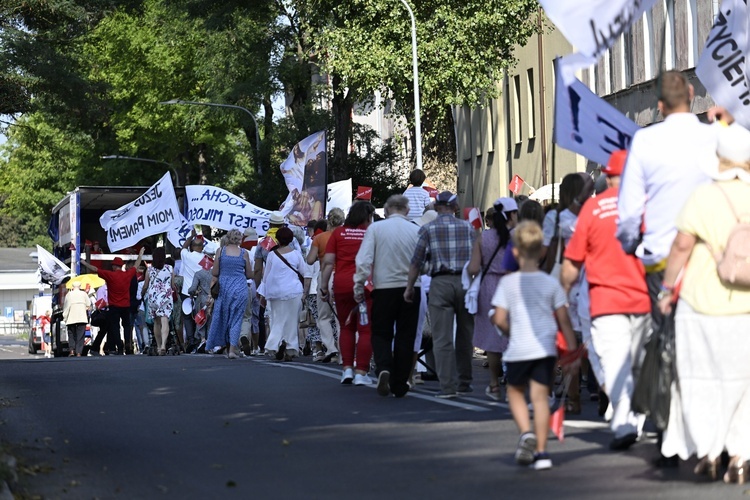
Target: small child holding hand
529 305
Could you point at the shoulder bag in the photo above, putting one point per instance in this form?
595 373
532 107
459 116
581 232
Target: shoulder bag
555 251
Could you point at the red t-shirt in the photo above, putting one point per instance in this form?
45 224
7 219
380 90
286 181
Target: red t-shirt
118 286
616 280
344 243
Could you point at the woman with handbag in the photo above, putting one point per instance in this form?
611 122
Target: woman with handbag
486 258
710 407
232 269
157 286
283 284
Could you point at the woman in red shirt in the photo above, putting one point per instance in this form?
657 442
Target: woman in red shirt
341 251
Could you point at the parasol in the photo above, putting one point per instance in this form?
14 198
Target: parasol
544 193
85 279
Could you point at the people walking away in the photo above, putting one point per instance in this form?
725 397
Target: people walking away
232 269
75 315
448 240
327 319
341 253
619 302
191 256
486 258
283 287
118 293
419 198
314 338
158 290
529 305
386 252
710 405
200 292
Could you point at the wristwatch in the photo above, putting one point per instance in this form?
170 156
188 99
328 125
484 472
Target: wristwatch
665 291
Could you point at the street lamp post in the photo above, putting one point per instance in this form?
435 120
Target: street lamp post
231 106
417 121
148 160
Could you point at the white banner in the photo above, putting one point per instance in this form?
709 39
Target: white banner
51 269
155 211
340 195
216 207
722 67
178 235
585 123
592 26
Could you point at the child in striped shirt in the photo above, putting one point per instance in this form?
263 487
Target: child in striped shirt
529 305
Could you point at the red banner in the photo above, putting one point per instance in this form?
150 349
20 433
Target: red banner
364 193
516 184
206 262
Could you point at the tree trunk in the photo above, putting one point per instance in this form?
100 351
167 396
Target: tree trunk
342 116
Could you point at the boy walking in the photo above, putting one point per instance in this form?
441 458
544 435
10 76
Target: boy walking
529 305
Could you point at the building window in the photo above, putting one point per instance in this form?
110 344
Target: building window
531 108
517 109
628 61
650 69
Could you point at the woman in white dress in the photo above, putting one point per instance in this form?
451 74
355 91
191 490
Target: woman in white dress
710 406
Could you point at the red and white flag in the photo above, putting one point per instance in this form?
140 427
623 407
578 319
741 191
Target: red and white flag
206 262
364 193
474 217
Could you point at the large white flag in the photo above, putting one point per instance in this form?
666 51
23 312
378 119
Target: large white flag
340 195
154 212
722 67
585 123
219 208
592 26
51 269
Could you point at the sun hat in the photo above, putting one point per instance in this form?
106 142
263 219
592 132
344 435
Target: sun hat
276 218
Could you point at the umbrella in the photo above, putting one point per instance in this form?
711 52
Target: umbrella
86 279
544 193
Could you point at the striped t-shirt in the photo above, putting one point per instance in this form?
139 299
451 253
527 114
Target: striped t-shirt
531 300
418 201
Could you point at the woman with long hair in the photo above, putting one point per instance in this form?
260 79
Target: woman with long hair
487 258
158 292
341 251
232 269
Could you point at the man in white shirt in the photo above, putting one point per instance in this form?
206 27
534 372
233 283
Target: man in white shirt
191 256
665 165
386 252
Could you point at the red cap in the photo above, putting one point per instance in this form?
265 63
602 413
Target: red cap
616 163
117 261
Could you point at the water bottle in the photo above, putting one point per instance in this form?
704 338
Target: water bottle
363 318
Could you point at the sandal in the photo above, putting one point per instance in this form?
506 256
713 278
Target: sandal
738 472
707 467
162 352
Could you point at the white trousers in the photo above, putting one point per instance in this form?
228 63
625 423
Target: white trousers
619 340
284 325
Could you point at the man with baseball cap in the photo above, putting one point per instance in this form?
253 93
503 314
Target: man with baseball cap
448 240
118 294
619 301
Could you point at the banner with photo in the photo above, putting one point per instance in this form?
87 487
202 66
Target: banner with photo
721 67
219 208
585 123
592 26
306 176
155 211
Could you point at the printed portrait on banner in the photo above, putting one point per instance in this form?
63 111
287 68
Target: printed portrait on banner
305 175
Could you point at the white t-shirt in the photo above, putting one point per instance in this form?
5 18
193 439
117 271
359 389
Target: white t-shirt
190 265
531 300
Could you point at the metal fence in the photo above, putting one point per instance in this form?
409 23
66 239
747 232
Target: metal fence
14 328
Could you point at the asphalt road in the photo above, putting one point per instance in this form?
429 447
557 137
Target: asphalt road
208 427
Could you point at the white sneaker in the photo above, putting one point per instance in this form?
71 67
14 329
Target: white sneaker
347 376
362 379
